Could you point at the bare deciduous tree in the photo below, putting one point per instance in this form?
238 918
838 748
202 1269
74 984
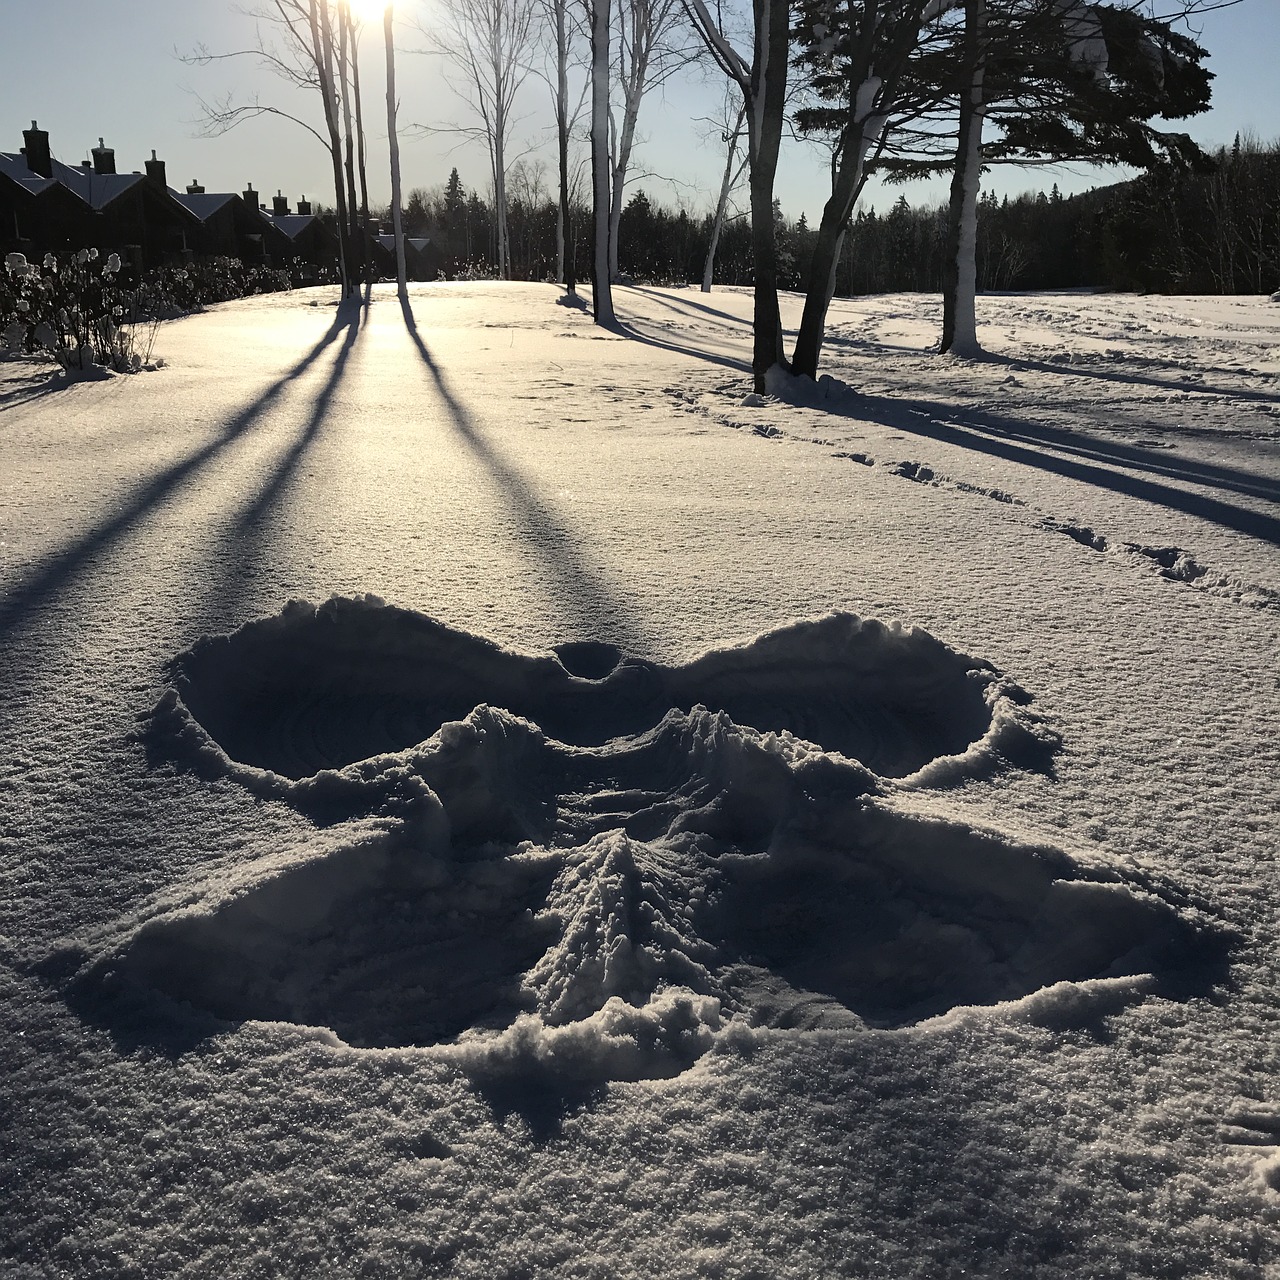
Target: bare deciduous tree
763 84
488 42
652 45
358 106
558 25
393 137
300 50
729 128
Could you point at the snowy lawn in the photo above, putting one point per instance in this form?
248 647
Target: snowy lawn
585 883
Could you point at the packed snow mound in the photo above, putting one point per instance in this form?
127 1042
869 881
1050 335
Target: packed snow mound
323 687
802 390
612 907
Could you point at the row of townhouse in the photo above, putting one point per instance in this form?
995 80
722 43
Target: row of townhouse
49 206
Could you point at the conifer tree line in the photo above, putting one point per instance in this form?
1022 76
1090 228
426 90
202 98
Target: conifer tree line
655 244
1167 231
901 88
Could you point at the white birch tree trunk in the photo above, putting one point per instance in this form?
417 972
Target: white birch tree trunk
360 147
960 275
397 218
964 341
562 143
633 83
320 22
344 83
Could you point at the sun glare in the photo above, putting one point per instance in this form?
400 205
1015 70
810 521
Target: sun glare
367 11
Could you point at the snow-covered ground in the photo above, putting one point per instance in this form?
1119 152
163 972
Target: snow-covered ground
687 833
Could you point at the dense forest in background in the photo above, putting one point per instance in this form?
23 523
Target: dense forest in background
1163 232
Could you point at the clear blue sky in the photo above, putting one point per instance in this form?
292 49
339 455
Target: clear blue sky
110 68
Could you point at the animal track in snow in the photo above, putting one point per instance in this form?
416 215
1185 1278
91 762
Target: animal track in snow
592 865
1171 563
922 474
713 405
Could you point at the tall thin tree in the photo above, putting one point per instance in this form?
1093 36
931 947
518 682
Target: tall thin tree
393 136
763 85
602 293
488 42
303 58
652 46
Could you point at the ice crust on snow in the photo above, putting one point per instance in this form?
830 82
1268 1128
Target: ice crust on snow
695 851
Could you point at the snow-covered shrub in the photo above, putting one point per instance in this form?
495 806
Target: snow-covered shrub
173 291
77 310
89 312
477 271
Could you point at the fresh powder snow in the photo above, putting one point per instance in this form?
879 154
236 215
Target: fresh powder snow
487 795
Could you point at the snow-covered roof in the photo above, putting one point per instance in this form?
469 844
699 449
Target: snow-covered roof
97 190
203 204
15 168
292 224
417 243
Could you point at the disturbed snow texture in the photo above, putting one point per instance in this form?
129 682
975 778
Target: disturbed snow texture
648 874
618 923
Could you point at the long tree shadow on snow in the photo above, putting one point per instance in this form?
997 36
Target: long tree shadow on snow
1211 475
52 573
1134 379
682 306
996 435
1136 458
237 555
548 538
628 329
837 336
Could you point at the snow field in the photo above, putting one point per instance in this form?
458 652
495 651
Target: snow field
734 1011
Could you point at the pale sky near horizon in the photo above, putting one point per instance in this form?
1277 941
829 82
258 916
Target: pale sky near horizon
91 68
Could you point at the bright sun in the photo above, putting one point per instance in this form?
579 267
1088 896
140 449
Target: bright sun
367 11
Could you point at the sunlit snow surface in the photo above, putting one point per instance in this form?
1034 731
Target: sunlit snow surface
690 832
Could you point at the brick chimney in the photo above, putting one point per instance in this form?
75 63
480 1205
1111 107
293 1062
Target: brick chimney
279 205
304 206
155 171
36 149
194 188
104 158
250 196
